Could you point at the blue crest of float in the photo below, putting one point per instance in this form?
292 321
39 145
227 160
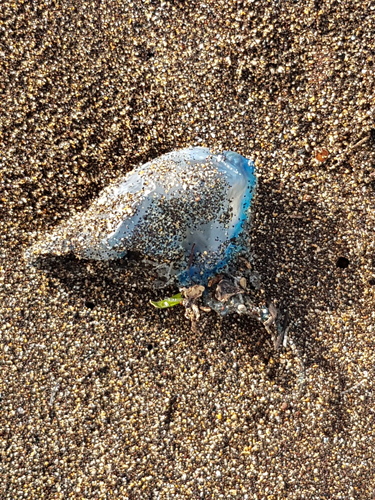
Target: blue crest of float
185 212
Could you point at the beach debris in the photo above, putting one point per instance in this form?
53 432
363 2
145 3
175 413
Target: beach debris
276 321
175 300
226 289
192 296
322 155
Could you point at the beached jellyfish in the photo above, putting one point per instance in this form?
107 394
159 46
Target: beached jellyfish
186 212
186 215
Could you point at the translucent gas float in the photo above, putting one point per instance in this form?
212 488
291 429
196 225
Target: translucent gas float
185 212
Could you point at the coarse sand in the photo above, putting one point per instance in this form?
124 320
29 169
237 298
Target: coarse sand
104 397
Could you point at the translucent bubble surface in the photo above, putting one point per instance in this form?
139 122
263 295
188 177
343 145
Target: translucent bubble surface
184 211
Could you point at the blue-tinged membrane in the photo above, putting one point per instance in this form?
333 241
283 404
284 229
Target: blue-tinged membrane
240 174
185 212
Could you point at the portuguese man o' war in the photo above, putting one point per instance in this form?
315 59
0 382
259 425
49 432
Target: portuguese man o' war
185 211
187 215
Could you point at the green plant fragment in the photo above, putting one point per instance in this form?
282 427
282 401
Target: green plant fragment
168 302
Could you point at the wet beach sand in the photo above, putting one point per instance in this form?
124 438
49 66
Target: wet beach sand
104 397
